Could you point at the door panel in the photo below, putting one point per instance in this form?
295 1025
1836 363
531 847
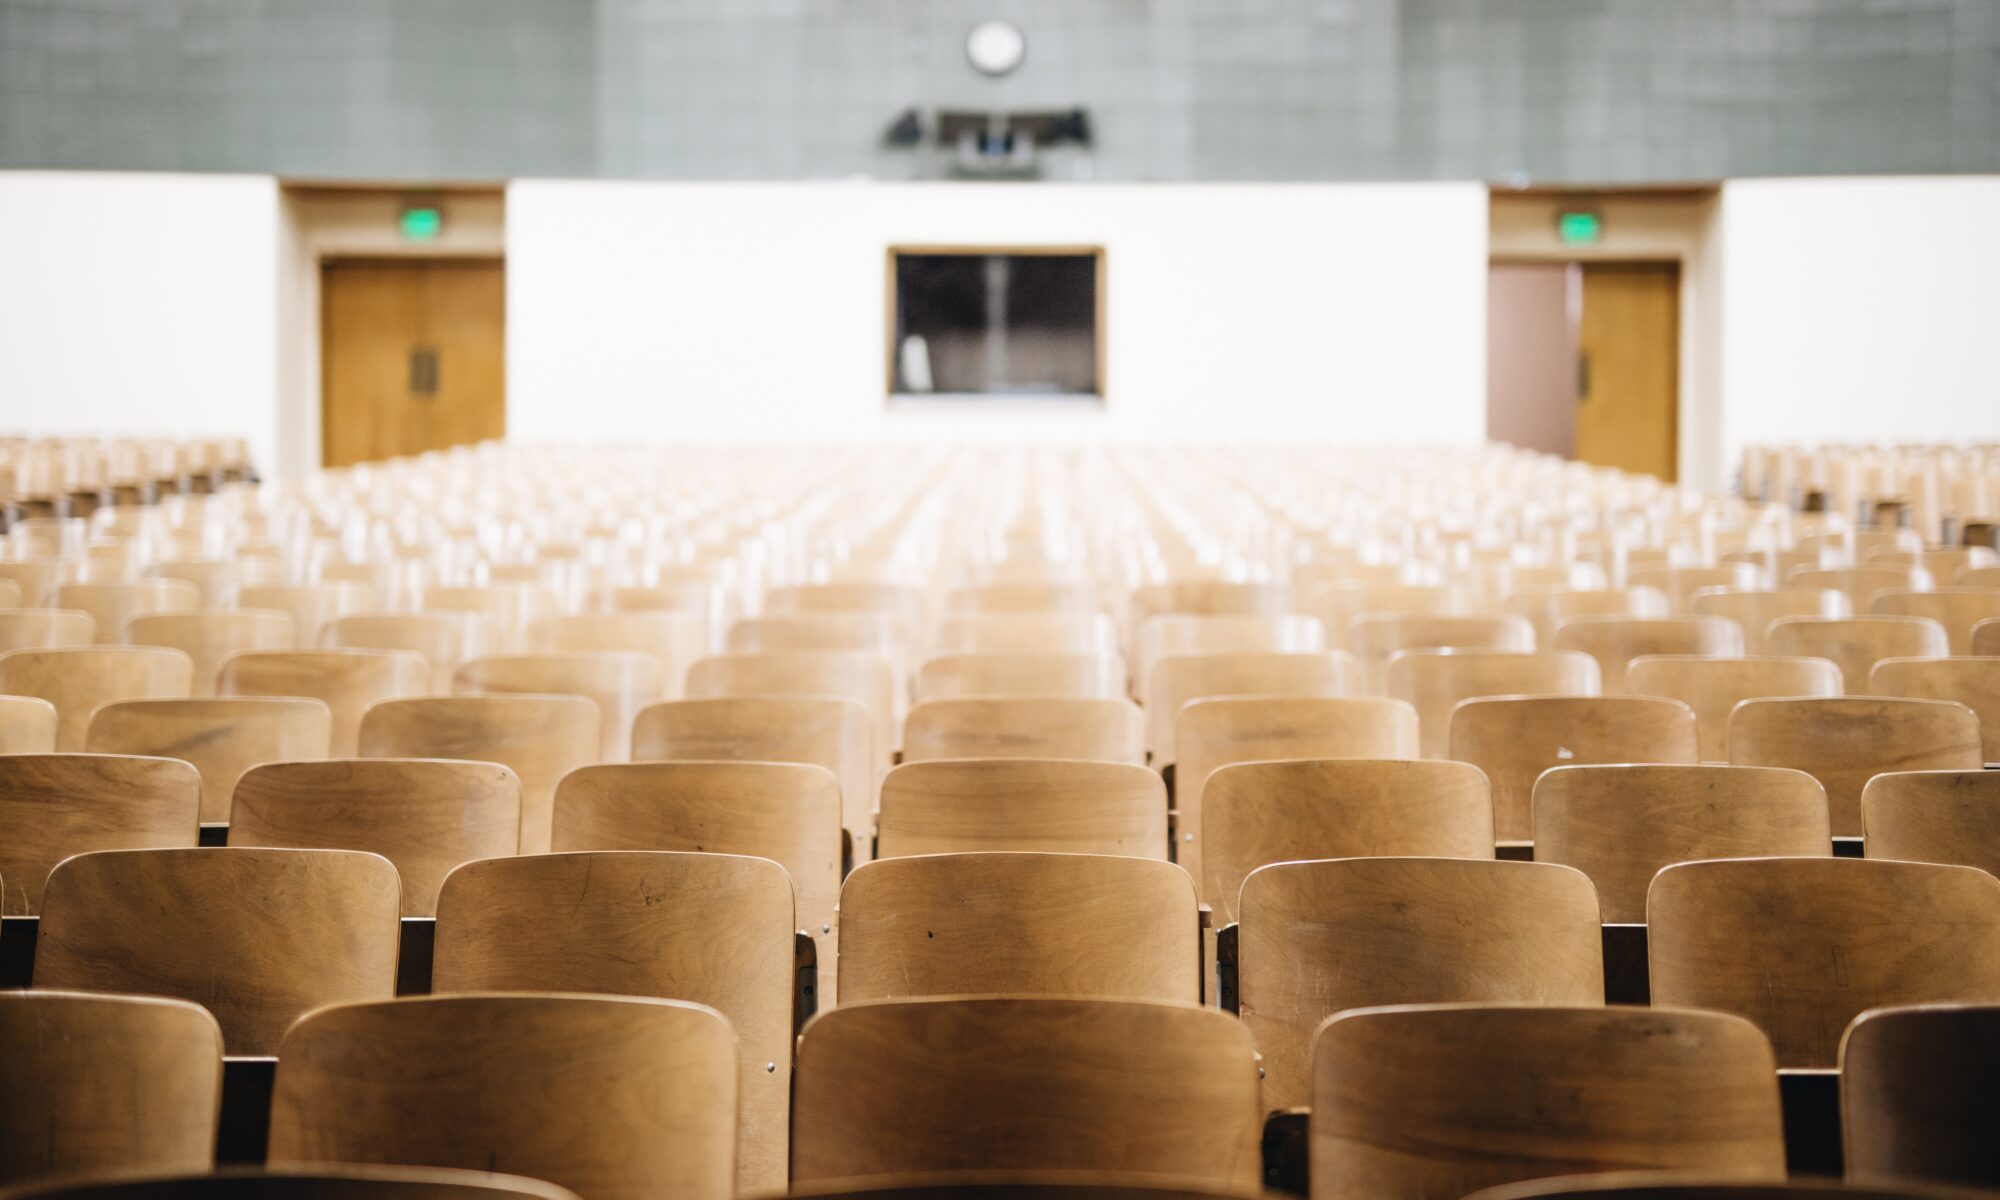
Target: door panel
413 356
1629 367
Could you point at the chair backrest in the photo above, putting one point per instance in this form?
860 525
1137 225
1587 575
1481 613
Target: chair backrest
1259 813
255 936
425 815
1615 641
310 605
106 1084
27 725
863 632
509 607
1547 607
56 805
959 806
1436 681
1652 1185
1856 644
615 1097
1024 1185
1081 676
1179 678
1713 687
1317 938
895 600
45 628
1339 605
1844 741
334 1182
619 683
1211 734
1621 824
1026 727
346 681
1916 1094
863 676
445 639
1026 633
1754 609
1973 682
1019 924
1958 609
894 1087
1170 634
1515 738
209 636
38 576
1373 639
111 605
222 738
715 929
541 738
1860 584
1802 946
1022 597
820 730
1934 816
76 679
1496 1093
674 640
1986 637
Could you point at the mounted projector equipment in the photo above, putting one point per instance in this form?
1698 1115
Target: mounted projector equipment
995 145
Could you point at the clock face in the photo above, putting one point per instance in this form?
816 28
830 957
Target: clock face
995 47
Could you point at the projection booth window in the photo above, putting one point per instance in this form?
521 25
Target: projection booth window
982 323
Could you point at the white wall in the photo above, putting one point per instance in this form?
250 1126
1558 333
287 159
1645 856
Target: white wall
1860 309
139 304
698 311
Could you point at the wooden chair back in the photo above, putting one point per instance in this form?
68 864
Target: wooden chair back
1621 824
1973 682
38 576
1373 640
1547 607
100 1085
1212 734
55 805
221 738
1754 609
1019 924
1845 741
209 636
1682 584
445 639
903 603
674 640
1023 727
714 929
1339 605
27 725
1934 816
866 677
614 1097
1856 644
425 815
1916 1095
618 683
1171 634
1317 938
1986 638
1077 676
852 632
509 608
541 738
77 679
112 604
1615 641
310 605
1515 738
342 1182
1957 609
1026 633
1179 678
1435 682
10 594
1713 687
1259 813
1861 584
1004 1083
257 937
346 681
45 628
1022 596
1497 1093
1802 946
1066 807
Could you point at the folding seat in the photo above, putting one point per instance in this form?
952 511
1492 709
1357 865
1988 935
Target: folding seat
1979 577
1026 633
1209 597
1373 639
1338 606
619 683
872 633
310 605
1916 1095
445 639
674 640
1957 609
1174 634
998 1083
864 676
1856 644
1513 739
957 806
1026 727
1259 813
1022 597
714 929
76 679
708 601
905 605
509 607
217 579
346 681
1713 687
1077 676
1755 609
614 1097
1802 946
819 730
257 937
111 605
1436 681
1019 924
10 594
1179 678
27 725
1615 641
1652 1185
45 628
222 738
1682 583
1845 741
425 815
1317 938
1934 816
55 805
105 1085
1547 607
542 738
1943 562
1861 584
336 1182
38 577
1026 1185
1986 638
1621 824
1973 682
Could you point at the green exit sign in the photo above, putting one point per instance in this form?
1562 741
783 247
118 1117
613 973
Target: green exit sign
421 223
1578 227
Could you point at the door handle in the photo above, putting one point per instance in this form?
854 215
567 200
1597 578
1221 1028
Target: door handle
423 371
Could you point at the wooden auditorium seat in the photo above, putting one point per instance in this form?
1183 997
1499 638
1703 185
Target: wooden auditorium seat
1616 641
45 628
1755 609
1076 676
1111 730
221 738
53 806
1179 678
209 636
27 725
1845 741
1856 644
445 639
1916 1095
1436 681
347 681
1933 816
618 683
1973 682
1713 687
77 679
342 1182
951 806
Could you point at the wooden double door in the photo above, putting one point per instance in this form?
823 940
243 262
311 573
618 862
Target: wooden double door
412 356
